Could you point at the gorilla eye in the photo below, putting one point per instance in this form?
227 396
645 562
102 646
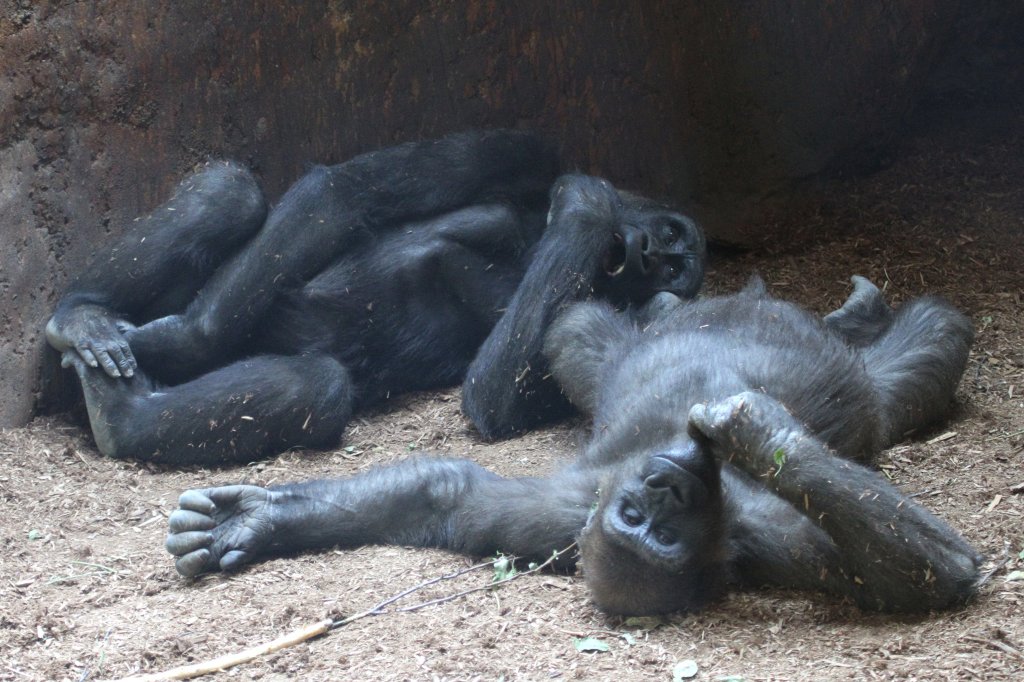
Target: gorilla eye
632 516
664 537
670 233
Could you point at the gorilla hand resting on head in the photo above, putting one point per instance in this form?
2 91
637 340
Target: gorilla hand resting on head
727 435
214 331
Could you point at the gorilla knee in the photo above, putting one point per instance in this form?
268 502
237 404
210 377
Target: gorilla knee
334 396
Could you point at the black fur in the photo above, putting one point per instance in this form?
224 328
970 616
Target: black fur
723 446
216 330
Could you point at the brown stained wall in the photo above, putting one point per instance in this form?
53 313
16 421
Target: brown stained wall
103 105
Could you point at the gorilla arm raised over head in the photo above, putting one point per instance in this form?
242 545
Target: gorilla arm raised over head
653 249
724 431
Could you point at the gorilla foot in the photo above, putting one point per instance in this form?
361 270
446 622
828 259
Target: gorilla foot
750 429
220 528
108 401
661 306
864 316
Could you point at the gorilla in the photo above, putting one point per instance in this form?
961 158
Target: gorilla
729 447
218 331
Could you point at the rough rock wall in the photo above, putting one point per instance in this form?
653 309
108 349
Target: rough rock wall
104 104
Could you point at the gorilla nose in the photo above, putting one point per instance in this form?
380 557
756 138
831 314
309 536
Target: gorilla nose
639 255
630 253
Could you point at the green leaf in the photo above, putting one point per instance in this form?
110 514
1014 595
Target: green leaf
780 459
1021 555
35 534
644 622
630 639
589 644
684 670
1016 575
503 569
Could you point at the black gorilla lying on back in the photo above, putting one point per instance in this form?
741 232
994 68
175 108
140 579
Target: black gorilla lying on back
406 268
725 447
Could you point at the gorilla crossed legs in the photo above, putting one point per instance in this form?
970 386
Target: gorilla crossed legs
727 435
215 331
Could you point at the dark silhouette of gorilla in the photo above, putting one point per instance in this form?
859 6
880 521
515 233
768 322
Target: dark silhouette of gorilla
728 435
214 331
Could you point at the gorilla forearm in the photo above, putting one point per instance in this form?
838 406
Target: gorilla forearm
892 554
508 380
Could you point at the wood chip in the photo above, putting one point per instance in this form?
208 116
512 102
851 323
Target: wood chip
939 439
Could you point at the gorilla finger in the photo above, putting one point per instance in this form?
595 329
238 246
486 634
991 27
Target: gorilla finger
194 563
234 560
228 495
700 422
186 520
196 500
87 355
129 358
107 362
183 544
117 354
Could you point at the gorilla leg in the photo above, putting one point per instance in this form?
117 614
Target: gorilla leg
158 265
331 209
237 413
916 363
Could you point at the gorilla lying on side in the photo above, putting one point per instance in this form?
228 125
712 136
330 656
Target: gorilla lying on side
727 436
215 331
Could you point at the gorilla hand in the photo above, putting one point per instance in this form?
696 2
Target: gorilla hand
220 528
750 429
97 335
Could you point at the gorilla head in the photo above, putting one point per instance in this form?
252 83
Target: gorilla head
654 543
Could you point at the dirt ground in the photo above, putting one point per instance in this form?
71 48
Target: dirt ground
88 593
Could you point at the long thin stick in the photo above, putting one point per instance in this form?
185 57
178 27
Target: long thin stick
308 632
186 672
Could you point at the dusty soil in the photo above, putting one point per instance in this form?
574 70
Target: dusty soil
87 591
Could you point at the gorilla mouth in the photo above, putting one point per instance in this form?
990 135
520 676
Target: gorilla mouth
615 259
667 476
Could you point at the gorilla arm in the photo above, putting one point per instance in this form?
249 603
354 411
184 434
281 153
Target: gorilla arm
422 502
506 385
866 540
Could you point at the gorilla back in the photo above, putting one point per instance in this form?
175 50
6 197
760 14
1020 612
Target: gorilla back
218 331
726 434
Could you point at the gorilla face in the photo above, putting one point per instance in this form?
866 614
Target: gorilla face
654 249
654 543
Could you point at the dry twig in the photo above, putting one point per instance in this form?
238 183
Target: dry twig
308 632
